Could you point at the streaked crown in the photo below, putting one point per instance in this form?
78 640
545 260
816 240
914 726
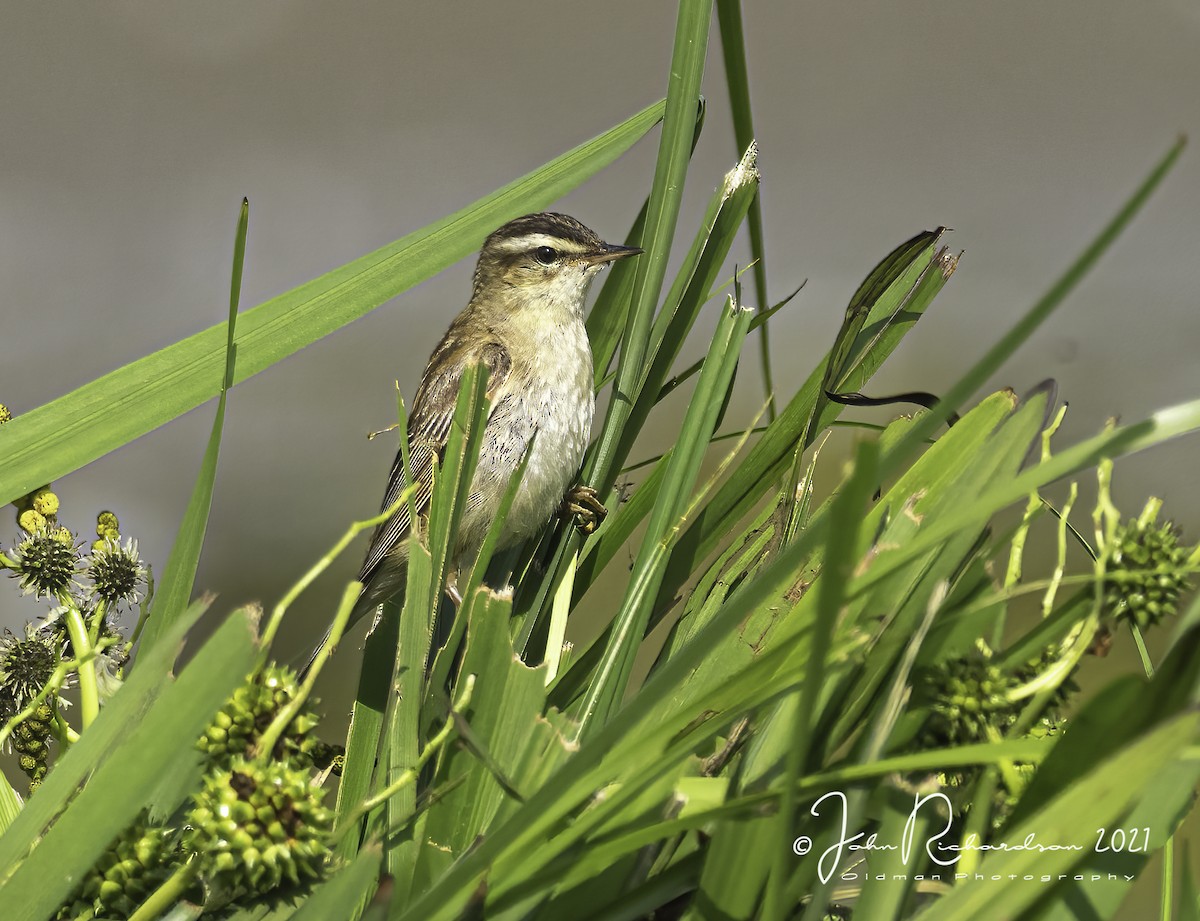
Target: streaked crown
528 249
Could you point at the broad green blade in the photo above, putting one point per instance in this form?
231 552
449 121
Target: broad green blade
179 576
10 804
366 725
48 442
507 699
349 886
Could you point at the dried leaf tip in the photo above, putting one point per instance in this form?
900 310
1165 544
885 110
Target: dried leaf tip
744 173
947 262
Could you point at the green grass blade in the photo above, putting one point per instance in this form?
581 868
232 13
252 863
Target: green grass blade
683 304
843 550
904 284
10 804
957 395
366 724
62 436
609 314
737 80
612 675
423 598
666 194
179 576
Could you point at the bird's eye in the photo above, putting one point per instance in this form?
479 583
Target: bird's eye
546 255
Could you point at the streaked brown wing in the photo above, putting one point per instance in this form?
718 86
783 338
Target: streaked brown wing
428 429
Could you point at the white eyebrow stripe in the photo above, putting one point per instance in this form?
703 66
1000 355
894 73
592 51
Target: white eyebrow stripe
530 241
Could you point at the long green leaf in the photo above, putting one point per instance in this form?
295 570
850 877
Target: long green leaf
179 576
48 442
737 80
666 194
957 395
612 675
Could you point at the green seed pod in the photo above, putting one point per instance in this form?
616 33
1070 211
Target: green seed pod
236 729
135 864
278 834
1147 573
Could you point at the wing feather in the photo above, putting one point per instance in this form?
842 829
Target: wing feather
429 428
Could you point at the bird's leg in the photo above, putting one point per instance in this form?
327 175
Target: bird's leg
581 504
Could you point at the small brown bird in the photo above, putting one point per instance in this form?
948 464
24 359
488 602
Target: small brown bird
525 324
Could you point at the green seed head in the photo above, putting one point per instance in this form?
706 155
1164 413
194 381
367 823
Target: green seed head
1147 573
137 863
117 573
257 827
45 564
45 502
107 525
26 664
236 729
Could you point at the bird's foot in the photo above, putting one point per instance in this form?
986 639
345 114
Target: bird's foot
584 507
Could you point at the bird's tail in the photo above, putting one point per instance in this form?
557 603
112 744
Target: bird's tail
365 605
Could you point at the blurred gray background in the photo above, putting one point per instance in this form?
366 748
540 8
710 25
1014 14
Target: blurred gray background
129 133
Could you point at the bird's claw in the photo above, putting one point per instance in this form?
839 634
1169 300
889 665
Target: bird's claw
582 504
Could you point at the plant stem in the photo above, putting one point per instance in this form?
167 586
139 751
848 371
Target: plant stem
321 565
409 776
168 893
89 695
268 740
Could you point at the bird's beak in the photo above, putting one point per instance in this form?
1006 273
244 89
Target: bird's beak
611 252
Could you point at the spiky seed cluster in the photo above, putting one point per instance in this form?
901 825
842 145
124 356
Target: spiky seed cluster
116 572
257 826
47 564
969 695
26 664
136 864
236 729
966 696
1147 573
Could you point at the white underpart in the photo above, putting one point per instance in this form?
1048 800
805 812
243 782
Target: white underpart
557 402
